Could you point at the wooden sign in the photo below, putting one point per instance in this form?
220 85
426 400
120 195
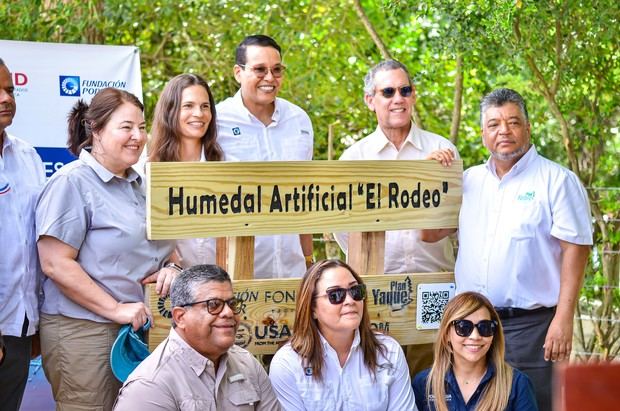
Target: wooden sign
268 313
221 199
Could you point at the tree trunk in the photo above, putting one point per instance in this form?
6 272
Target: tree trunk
458 100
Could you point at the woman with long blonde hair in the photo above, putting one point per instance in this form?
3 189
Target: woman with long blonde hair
469 371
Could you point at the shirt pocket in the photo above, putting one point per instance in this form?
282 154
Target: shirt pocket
297 148
526 221
374 395
318 398
244 397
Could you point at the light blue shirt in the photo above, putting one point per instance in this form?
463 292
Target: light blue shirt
21 179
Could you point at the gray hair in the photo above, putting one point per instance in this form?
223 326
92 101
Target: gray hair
501 96
385 65
183 287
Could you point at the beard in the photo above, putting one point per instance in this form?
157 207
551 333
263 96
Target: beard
510 156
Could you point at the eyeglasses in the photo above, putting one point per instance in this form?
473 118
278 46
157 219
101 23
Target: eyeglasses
261 71
216 305
337 295
389 92
464 328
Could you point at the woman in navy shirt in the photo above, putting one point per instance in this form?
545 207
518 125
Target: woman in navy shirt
469 371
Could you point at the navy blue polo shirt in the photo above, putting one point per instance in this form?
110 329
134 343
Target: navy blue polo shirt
521 394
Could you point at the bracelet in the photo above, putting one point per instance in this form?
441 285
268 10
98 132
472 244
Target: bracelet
170 264
309 259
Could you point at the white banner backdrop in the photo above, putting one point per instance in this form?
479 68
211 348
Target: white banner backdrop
50 77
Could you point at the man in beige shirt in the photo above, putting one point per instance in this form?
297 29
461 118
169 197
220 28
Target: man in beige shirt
198 367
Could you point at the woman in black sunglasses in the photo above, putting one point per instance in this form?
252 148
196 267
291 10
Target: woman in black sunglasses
469 371
334 360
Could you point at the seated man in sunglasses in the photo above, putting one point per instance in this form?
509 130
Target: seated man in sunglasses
256 125
390 93
198 367
469 371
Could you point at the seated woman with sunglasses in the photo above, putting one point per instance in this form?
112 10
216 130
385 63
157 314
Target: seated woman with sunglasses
334 360
469 371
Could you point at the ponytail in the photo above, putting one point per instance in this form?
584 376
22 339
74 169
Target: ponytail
80 134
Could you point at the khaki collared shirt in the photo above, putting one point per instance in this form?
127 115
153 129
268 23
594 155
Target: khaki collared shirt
177 377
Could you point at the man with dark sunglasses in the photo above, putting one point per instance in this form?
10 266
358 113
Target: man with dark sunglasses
256 125
524 238
198 366
390 93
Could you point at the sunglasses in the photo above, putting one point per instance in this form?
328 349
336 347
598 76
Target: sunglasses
262 71
216 305
337 295
389 92
464 328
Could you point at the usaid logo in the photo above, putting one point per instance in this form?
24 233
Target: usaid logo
69 86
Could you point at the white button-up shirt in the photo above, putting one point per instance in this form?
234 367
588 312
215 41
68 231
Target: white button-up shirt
347 388
405 252
509 230
22 177
289 137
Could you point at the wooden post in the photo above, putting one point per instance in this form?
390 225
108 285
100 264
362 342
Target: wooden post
366 252
236 256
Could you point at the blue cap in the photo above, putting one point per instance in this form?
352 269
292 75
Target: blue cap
128 351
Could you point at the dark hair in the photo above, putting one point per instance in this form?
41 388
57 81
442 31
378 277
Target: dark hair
166 141
255 40
385 65
84 119
306 340
182 290
501 96
2 62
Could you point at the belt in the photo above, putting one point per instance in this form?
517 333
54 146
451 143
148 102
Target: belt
510 312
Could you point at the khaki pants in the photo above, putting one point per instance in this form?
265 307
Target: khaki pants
76 360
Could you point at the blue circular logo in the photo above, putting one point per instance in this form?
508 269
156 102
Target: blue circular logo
69 86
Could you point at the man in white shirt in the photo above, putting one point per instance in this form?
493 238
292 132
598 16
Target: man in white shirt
390 93
256 125
524 238
21 179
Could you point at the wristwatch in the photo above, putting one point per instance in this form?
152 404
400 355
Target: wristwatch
171 264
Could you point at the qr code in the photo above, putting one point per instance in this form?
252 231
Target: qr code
433 303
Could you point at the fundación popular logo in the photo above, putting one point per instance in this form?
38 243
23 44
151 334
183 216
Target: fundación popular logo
69 86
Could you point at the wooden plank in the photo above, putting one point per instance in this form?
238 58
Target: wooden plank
241 258
269 310
366 252
215 199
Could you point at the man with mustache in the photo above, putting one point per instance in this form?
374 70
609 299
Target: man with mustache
198 367
21 178
524 239
256 125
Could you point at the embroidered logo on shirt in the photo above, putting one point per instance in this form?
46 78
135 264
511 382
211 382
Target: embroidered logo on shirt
236 377
5 189
528 196
308 371
236 131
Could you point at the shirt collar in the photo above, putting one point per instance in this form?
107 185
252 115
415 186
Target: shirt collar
378 140
196 361
356 341
528 158
275 117
7 141
103 173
